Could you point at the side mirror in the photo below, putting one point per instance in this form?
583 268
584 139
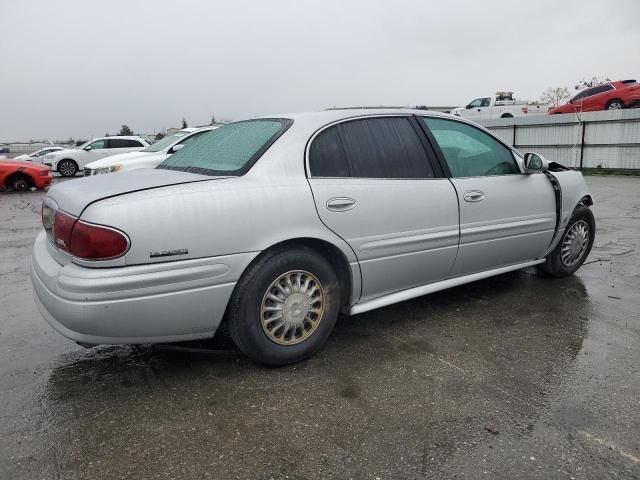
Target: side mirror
175 148
88 148
534 163
468 107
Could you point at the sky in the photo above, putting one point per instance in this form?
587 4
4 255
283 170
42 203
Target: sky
83 68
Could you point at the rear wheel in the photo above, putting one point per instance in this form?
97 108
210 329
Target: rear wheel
67 168
506 115
615 105
574 246
285 306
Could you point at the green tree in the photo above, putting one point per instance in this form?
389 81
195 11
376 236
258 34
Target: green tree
184 123
125 130
213 119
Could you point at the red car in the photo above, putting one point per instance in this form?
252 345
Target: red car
608 96
17 175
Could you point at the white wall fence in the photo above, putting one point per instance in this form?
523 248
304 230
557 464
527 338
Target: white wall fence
588 140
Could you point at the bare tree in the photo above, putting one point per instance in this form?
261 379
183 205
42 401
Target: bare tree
184 123
555 96
213 119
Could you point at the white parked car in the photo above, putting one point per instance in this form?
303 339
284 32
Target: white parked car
500 105
150 157
38 155
69 162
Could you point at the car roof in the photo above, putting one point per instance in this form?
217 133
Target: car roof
325 117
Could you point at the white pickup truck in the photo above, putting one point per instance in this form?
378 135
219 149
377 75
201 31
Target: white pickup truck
500 105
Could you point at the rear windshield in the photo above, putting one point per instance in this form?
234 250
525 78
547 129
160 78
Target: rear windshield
229 150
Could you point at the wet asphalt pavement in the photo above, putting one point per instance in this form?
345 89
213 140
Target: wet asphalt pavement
518 376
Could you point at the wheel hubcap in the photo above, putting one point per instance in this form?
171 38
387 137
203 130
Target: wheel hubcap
66 168
575 242
615 106
292 307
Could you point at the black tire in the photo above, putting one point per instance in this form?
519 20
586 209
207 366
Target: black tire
245 308
19 183
506 115
615 105
67 168
554 265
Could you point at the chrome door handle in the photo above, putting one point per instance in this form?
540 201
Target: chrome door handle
473 196
340 204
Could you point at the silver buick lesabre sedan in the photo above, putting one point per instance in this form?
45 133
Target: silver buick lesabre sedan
273 226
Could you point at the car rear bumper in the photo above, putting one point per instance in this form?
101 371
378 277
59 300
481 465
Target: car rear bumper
157 303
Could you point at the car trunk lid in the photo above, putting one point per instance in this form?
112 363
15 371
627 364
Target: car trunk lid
74 196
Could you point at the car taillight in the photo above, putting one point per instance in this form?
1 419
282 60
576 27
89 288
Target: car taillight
62 227
525 109
95 242
85 240
44 173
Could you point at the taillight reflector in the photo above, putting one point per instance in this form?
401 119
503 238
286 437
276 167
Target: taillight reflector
62 227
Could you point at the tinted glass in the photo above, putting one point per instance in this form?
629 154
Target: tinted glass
326 156
384 148
228 150
118 143
134 144
470 152
601 89
584 93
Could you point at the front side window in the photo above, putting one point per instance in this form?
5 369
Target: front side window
98 144
469 151
486 102
229 150
585 93
476 103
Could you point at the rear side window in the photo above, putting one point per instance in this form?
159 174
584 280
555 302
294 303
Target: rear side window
601 89
370 148
326 156
134 144
469 151
229 150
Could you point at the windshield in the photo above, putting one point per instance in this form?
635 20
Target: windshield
166 142
229 150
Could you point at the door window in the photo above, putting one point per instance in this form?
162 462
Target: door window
601 89
384 147
486 102
98 144
326 155
469 151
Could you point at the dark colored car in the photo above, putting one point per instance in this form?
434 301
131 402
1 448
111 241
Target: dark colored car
17 175
608 96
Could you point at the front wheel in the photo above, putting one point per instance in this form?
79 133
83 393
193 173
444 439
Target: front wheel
67 168
575 245
285 306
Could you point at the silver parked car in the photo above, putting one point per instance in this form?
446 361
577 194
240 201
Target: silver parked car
274 226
